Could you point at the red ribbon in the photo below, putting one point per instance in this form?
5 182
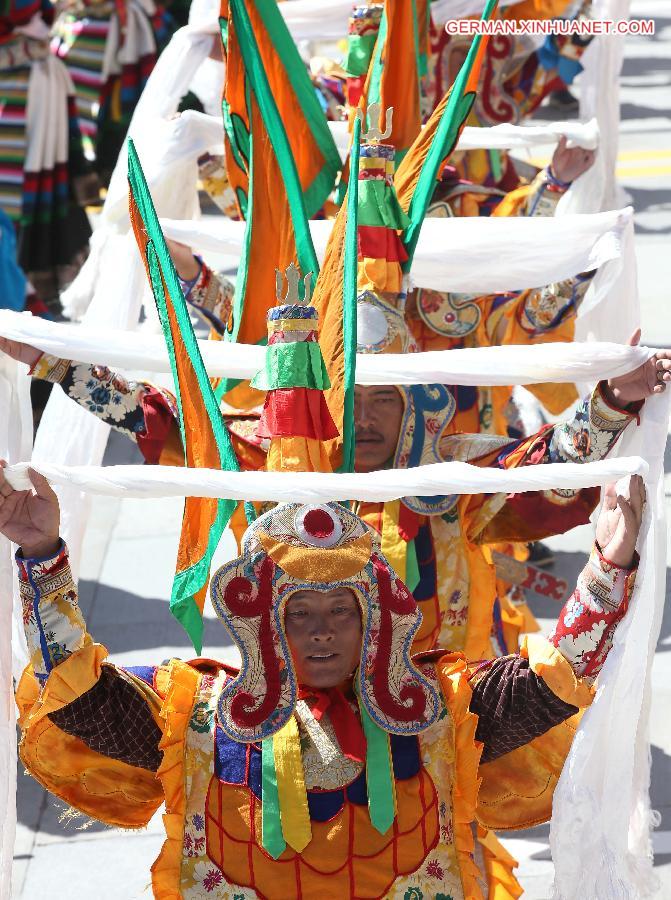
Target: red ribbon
346 724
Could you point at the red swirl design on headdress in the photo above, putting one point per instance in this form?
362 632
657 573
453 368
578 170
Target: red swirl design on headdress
245 603
394 599
491 97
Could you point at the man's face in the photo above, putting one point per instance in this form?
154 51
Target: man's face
378 412
324 633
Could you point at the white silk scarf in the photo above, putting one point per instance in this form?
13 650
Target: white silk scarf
472 255
138 351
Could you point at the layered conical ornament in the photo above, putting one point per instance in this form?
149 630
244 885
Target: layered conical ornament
381 290
295 415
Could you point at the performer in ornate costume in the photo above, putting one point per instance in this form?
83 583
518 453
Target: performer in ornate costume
518 73
332 763
441 320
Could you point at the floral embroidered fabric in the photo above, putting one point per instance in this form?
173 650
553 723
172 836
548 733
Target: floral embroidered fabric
585 628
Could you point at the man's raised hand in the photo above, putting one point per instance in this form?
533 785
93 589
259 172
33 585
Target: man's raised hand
30 518
620 521
650 378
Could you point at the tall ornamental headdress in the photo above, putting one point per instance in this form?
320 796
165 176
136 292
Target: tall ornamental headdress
297 547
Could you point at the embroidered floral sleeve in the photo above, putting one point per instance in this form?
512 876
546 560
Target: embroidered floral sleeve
141 411
593 431
541 310
52 620
589 436
146 414
210 296
544 193
585 627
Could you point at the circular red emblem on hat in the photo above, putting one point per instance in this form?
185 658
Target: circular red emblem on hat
318 526
318 523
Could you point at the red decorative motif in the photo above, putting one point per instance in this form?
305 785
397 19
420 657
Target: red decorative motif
435 870
396 599
243 602
318 523
585 628
499 47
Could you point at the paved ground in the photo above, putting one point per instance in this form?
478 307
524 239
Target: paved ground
130 547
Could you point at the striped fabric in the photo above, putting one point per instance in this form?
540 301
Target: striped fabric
109 69
13 94
80 43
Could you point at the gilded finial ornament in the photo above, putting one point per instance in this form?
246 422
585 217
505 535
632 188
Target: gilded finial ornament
374 133
293 276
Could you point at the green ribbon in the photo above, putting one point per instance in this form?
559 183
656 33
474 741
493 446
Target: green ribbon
495 162
349 296
411 567
379 775
295 365
301 204
306 97
359 53
272 837
378 205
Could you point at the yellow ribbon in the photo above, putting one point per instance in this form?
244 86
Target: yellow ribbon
291 786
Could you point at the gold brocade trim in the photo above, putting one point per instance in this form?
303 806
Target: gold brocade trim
555 670
318 565
325 766
183 681
453 675
482 584
50 368
302 325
